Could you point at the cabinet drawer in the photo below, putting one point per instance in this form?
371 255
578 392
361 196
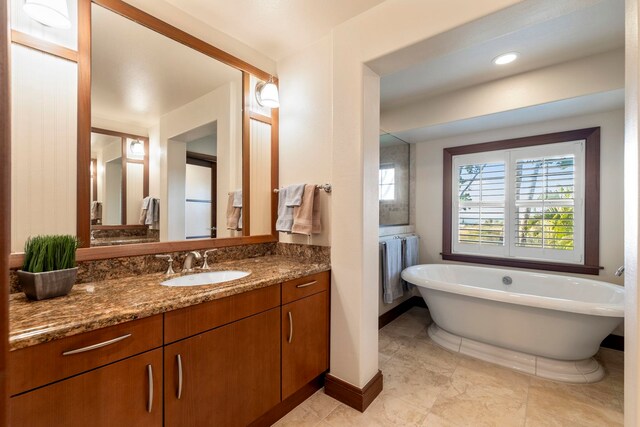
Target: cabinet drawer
305 286
125 393
189 321
42 364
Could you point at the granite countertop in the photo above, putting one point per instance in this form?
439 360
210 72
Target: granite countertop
126 240
96 305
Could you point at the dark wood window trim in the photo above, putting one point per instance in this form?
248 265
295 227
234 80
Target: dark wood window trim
591 263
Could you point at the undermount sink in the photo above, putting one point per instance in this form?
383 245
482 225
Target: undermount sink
208 278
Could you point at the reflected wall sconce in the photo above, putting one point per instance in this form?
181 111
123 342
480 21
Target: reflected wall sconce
136 148
52 13
267 94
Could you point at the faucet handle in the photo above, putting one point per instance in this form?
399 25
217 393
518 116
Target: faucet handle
169 259
205 264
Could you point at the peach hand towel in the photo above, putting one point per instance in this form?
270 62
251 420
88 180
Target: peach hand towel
316 226
303 214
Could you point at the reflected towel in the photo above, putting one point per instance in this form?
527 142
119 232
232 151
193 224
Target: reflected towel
233 214
285 213
303 214
410 251
237 199
391 265
96 210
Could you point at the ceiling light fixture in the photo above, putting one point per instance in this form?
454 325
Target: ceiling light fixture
52 13
267 94
506 58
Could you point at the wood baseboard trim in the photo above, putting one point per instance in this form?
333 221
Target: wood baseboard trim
350 395
287 405
399 310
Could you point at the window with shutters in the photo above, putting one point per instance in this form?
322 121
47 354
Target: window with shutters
524 203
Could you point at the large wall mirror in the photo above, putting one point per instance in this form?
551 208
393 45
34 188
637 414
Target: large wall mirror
174 147
189 107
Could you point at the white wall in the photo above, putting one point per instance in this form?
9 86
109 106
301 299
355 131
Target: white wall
43 135
353 108
305 128
429 184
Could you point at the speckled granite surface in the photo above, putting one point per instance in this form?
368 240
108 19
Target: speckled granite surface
114 268
99 304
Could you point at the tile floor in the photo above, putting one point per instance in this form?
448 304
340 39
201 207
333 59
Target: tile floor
425 385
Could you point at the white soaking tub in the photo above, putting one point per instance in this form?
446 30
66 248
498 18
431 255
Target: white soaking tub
542 324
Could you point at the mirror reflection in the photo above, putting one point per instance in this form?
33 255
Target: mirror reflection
394 171
167 138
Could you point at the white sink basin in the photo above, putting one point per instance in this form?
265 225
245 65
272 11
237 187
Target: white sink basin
209 278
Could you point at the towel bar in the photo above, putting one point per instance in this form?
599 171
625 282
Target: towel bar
325 187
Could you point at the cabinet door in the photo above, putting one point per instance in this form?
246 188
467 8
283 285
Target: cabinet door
227 377
126 393
305 341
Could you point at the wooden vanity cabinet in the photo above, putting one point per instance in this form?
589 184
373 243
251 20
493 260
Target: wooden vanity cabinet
305 331
126 393
228 376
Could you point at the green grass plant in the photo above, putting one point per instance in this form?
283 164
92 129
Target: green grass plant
49 253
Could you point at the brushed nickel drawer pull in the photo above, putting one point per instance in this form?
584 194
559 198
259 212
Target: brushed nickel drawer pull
96 346
150 375
290 328
307 284
179 359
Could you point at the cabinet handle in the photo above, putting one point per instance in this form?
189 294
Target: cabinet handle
179 359
150 375
290 328
96 346
307 284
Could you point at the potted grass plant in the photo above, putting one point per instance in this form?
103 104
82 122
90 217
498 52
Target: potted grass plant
49 266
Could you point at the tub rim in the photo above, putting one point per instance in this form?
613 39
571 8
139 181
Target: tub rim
558 304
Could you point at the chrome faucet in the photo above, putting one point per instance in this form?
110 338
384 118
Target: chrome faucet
620 271
205 264
169 259
186 267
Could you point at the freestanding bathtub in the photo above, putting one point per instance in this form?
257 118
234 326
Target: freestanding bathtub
543 324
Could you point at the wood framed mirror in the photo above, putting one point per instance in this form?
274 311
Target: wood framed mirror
107 71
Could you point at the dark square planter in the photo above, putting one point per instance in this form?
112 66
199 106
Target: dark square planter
48 284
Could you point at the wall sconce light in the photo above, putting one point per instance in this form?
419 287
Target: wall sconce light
52 13
267 94
136 148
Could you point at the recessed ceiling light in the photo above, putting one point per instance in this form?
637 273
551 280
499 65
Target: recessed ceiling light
506 58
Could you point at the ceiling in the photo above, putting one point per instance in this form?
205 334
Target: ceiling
277 28
597 26
582 105
139 75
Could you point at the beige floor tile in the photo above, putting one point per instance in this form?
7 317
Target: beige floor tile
433 420
483 395
418 387
427 355
301 416
551 406
320 404
386 410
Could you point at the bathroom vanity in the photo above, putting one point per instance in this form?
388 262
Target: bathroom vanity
132 352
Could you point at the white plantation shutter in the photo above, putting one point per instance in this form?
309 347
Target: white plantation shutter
524 203
481 196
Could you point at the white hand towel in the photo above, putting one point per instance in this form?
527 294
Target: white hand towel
294 195
285 213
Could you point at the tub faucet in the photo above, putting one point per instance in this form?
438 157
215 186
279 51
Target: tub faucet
186 267
620 271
